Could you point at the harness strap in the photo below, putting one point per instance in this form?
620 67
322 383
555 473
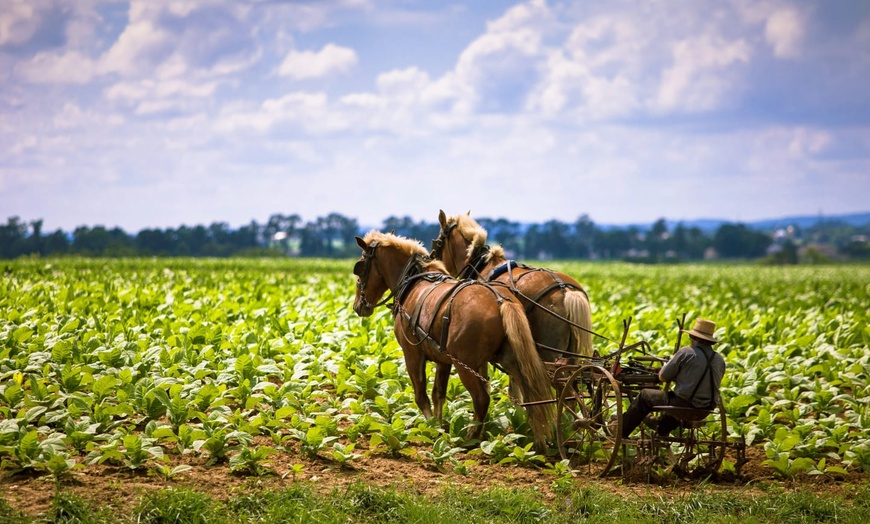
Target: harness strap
413 320
533 301
502 269
708 370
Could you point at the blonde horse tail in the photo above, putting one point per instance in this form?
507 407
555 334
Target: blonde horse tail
532 377
579 312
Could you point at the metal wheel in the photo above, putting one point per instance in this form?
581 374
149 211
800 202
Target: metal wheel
589 411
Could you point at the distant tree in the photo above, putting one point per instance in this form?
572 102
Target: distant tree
99 241
616 243
12 238
787 254
402 226
505 232
56 243
657 239
330 236
679 241
858 248
156 242
549 240
193 241
246 237
738 241
584 237
34 244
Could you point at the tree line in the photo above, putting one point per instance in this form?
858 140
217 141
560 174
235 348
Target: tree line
332 236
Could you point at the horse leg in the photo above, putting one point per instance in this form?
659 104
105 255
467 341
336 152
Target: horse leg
439 389
416 364
479 391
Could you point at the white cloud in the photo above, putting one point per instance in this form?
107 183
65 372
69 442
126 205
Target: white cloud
331 59
138 49
808 142
784 31
24 143
19 20
73 116
587 99
300 111
71 67
517 34
149 96
701 74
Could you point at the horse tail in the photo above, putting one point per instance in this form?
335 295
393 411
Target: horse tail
579 312
532 376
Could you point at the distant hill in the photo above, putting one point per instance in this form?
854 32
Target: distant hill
854 219
710 225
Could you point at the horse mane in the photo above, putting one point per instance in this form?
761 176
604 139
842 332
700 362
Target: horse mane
476 235
495 252
406 245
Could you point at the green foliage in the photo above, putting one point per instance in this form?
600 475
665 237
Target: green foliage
126 362
251 461
179 506
67 508
442 454
505 450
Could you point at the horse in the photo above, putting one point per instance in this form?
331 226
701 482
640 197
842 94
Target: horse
466 324
557 306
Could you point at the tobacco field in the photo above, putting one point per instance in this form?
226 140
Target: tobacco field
161 366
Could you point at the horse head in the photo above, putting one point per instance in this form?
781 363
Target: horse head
370 283
386 260
459 241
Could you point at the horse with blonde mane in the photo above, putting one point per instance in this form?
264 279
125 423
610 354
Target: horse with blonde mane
557 306
466 324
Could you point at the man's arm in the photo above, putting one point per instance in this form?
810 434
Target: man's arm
672 367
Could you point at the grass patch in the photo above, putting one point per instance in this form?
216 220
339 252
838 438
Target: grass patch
9 515
67 508
179 506
360 503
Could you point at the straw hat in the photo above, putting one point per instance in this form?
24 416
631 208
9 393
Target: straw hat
704 329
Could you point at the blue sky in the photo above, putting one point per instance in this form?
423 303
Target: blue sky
162 113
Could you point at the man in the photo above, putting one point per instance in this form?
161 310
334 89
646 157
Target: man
696 372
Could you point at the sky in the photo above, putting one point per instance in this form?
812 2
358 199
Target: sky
162 113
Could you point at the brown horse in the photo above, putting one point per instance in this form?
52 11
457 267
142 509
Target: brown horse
466 324
549 297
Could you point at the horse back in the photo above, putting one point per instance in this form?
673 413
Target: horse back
538 284
461 318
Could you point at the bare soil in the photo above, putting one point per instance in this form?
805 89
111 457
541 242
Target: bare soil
122 489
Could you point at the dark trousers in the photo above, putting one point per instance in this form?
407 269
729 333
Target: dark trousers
643 404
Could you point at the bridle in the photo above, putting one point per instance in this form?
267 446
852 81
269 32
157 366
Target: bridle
361 269
437 250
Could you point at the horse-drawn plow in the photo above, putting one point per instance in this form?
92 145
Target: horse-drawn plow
592 393
473 321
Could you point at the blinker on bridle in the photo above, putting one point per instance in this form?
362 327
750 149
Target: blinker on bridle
361 269
436 251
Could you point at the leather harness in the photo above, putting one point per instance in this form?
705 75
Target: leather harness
413 274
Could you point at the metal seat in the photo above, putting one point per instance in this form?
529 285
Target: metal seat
690 418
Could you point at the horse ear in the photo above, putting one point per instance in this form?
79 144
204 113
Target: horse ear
442 218
393 232
361 243
469 213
